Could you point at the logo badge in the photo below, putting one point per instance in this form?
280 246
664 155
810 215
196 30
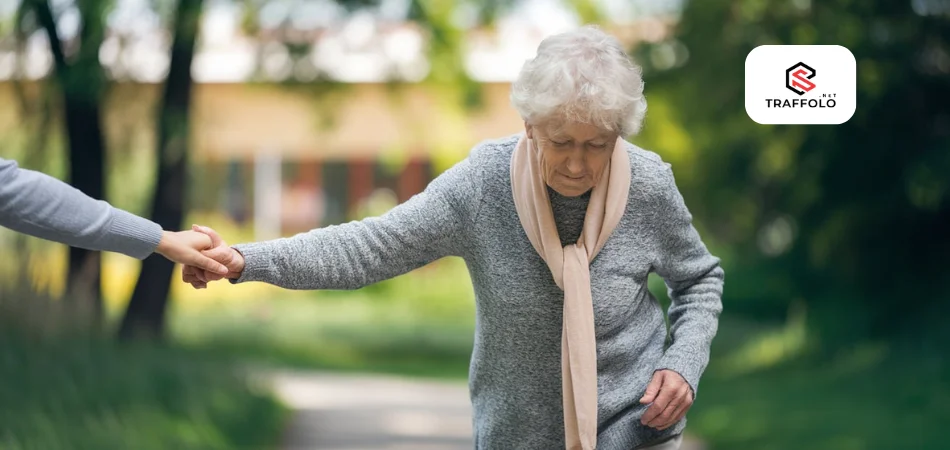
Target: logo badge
797 78
804 98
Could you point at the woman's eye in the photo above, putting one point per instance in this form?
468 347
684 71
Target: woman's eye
598 145
559 143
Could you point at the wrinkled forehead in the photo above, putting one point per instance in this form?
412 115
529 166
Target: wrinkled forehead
576 130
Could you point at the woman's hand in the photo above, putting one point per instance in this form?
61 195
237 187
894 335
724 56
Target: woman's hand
218 251
184 247
671 396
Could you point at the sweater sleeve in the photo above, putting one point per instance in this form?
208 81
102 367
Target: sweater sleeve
40 205
694 280
430 225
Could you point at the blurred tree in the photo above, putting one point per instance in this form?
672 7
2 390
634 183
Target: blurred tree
81 77
850 220
82 84
145 315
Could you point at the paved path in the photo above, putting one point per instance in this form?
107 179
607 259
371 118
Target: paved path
370 412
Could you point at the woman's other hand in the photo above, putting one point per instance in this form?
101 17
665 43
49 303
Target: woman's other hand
220 252
185 247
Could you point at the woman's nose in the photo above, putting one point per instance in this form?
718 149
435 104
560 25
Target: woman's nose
575 164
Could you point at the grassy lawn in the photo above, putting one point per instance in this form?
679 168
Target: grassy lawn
766 387
85 394
871 396
420 324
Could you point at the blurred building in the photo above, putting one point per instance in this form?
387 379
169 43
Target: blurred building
306 173
274 145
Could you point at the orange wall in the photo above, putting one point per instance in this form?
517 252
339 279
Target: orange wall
235 121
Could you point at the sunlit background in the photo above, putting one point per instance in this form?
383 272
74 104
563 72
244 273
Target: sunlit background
265 118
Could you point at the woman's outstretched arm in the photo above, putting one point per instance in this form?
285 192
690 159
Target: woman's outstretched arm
429 226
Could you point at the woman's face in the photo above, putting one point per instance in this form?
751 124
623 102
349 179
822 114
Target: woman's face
573 155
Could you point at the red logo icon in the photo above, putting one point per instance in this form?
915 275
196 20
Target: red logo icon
797 78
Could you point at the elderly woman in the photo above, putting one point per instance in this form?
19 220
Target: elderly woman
560 227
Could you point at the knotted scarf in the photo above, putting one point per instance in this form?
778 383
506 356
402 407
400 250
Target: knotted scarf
570 266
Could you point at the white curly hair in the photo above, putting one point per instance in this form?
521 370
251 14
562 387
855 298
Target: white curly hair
583 76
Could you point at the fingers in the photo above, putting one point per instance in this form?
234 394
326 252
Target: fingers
222 254
206 277
219 251
671 403
189 275
653 388
659 405
202 261
192 274
678 414
210 264
216 240
669 415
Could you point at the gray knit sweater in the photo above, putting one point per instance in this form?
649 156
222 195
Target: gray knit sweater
40 205
515 372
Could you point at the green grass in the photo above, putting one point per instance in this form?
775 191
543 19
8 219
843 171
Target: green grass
870 396
419 324
355 333
769 386
764 389
86 394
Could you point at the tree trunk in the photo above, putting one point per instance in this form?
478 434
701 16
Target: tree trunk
83 84
145 316
86 173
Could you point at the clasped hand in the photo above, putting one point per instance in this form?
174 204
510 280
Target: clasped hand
669 397
199 276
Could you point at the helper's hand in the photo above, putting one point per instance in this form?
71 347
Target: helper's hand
671 396
184 247
220 252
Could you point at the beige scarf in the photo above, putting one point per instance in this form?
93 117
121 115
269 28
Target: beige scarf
570 267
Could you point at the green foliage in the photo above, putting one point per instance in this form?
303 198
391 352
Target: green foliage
766 387
85 394
870 396
850 219
421 323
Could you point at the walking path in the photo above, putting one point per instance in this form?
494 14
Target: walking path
372 412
